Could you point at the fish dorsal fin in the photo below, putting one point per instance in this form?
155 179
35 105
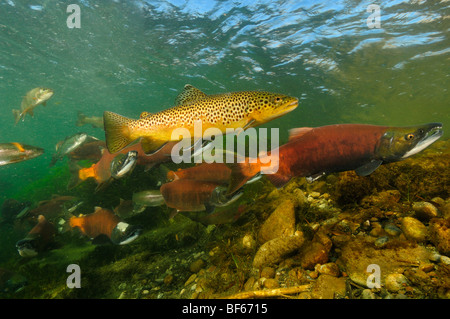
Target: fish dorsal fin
368 168
145 114
297 132
189 95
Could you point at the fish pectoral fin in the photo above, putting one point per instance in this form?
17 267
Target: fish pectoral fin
278 180
158 147
314 177
368 168
246 126
31 112
173 213
206 146
189 95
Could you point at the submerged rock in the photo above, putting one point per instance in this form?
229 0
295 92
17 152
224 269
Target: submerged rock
439 230
273 251
425 210
414 229
281 223
315 252
329 287
358 254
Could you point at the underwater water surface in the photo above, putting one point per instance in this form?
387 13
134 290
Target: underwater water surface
133 56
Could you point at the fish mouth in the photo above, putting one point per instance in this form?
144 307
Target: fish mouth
432 135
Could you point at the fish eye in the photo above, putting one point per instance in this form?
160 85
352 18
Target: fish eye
409 136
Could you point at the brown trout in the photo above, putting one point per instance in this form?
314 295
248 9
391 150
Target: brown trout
223 111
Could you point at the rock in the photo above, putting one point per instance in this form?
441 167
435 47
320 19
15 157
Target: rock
329 287
248 242
425 210
316 252
281 223
271 283
381 241
368 294
196 265
274 250
300 197
395 282
267 272
358 254
392 230
439 231
414 229
168 279
249 284
445 209
190 279
328 269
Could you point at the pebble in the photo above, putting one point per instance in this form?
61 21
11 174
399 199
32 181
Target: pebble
190 279
168 279
268 272
395 282
249 284
392 230
439 230
196 265
426 267
445 260
425 210
368 294
316 252
248 242
381 241
414 229
328 269
271 283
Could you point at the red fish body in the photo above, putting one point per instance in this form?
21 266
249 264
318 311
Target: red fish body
105 222
101 222
312 152
187 195
207 172
101 171
37 239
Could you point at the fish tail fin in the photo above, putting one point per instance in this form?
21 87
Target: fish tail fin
81 118
116 131
17 116
241 173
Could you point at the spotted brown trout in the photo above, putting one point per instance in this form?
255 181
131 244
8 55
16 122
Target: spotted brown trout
223 111
313 152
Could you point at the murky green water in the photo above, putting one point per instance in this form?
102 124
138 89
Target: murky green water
134 56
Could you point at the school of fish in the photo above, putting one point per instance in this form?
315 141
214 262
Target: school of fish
149 141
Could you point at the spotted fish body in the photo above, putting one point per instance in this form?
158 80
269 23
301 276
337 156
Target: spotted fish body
228 110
